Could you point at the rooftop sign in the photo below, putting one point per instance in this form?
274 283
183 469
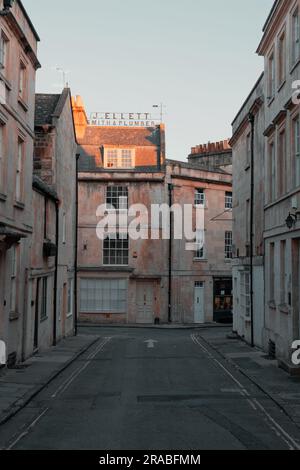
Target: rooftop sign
123 120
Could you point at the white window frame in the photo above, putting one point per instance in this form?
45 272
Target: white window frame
295 36
281 57
4 44
70 298
116 198
114 158
22 80
245 293
199 252
228 200
19 170
200 197
113 239
271 75
106 296
228 245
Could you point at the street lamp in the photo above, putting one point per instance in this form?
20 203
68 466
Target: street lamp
291 221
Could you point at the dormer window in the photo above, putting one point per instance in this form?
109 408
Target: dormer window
119 158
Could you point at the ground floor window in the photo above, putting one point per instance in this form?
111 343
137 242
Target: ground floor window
223 295
103 295
44 312
245 293
70 297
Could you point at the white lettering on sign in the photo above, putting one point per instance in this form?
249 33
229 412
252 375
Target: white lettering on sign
122 120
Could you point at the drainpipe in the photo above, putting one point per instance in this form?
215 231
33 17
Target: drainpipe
159 147
76 250
252 121
170 188
56 274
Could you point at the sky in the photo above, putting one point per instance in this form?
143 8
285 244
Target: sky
197 57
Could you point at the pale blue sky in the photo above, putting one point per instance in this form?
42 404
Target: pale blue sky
196 56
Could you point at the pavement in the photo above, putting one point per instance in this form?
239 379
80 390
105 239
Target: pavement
20 385
254 364
149 389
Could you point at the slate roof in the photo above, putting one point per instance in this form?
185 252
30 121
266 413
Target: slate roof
48 106
140 137
45 106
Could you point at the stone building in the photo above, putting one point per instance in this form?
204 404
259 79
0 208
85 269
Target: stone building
51 277
213 155
243 198
276 171
202 278
18 65
146 280
280 47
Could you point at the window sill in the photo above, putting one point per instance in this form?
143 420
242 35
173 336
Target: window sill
19 205
247 167
23 103
69 315
283 308
200 260
43 320
228 260
103 313
272 304
3 197
13 316
270 100
4 79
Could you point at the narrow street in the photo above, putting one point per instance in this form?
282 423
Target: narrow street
150 389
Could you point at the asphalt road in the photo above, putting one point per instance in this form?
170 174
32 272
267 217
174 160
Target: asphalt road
128 393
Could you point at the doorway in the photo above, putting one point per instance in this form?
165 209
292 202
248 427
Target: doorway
199 311
36 316
145 302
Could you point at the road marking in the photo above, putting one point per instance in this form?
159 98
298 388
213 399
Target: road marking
60 390
254 403
63 387
28 429
150 343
